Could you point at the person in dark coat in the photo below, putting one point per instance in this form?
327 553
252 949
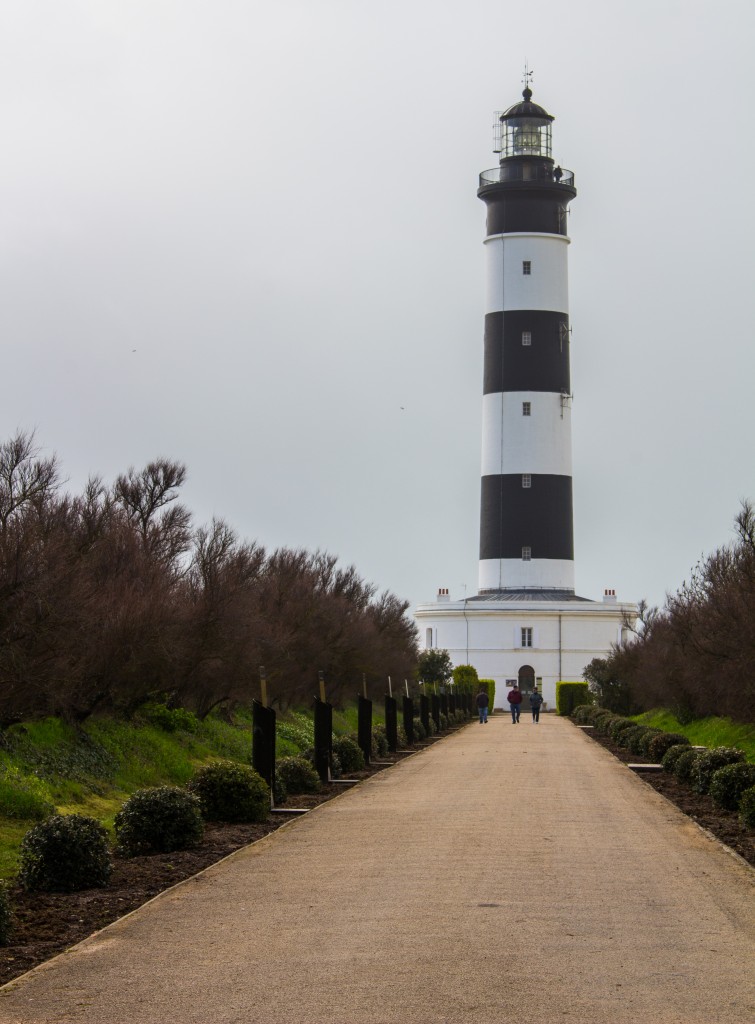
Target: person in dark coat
482 706
536 700
515 703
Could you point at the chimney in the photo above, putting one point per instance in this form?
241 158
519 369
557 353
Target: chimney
443 594
609 596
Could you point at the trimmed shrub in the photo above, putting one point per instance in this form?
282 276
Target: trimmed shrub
618 727
710 761
584 714
6 913
23 796
729 783
597 713
662 742
685 764
419 729
443 722
433 726
647 739
602 724
279 788
747 807
298 775
349 754
673 754
229 791
570 695
65 853
635 739
379 741
628 736
158 820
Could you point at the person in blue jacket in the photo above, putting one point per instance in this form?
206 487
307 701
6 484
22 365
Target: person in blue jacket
536 700
482 706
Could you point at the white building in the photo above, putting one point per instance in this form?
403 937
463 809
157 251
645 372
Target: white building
526 624
524 636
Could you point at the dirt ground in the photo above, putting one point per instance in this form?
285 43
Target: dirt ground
48 923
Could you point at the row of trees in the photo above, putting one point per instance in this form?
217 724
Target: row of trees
697 654
110 597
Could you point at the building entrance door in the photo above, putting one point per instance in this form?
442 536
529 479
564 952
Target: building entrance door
526 685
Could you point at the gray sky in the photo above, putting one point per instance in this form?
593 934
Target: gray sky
245 235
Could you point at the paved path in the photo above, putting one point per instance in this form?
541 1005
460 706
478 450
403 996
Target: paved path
429 895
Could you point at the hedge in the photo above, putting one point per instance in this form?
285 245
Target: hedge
571 695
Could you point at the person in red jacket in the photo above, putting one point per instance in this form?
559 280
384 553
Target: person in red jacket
515 703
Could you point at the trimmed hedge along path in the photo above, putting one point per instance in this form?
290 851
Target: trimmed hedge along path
427 894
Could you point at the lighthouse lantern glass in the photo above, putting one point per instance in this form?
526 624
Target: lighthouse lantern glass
526 136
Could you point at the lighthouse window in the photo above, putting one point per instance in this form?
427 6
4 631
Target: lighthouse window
526 480
526 408
526 636
526 337
526 554
526 266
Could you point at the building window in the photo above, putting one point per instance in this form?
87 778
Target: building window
526 480
526 554
526 338
428 639
526 408
527 267
526 636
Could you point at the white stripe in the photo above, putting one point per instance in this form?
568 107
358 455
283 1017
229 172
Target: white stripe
513 443
514 574
546 287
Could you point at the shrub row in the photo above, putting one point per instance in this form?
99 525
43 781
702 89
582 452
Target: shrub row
65 853
722 772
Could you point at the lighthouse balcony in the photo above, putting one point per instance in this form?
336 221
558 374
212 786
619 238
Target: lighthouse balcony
527 174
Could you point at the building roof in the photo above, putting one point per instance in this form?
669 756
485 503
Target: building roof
529 595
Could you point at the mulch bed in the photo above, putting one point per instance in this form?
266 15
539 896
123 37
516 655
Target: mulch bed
45 924
724 825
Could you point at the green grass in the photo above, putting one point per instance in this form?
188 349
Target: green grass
94 770
706 732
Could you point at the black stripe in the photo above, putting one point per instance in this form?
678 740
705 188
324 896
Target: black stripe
512 366
526 212
538 517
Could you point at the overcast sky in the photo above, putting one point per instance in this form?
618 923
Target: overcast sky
246 236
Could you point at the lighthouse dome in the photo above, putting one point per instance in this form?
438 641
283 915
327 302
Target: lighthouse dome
526 108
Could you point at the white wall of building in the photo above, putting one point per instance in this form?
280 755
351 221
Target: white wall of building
565 637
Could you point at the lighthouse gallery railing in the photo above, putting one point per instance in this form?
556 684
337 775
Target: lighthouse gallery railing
526 172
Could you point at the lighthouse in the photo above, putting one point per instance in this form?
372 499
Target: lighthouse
526 520
526 624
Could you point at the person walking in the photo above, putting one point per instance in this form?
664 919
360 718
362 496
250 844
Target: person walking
482 706
536 700
514 698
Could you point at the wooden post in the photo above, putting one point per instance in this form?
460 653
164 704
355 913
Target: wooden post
263 687
321 677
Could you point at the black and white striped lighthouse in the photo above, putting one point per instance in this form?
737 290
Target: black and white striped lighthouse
526 532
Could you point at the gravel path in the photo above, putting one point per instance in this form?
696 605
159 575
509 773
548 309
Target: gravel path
507 874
